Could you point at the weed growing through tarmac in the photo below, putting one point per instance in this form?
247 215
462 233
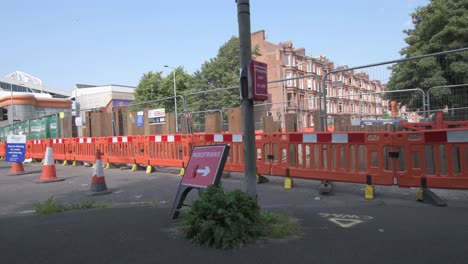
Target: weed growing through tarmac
382 203
52 205
232 219
279 225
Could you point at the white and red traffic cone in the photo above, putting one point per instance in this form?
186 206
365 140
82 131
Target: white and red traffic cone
98 182
49 174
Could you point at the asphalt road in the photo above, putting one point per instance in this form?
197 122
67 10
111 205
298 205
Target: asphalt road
339 228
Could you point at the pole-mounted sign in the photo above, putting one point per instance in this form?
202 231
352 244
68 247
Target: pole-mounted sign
205 167
254 81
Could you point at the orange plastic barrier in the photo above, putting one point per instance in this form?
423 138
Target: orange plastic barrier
264 153
85 149
59 147
439 156
118 149
3 148
166 150
36 148
347 157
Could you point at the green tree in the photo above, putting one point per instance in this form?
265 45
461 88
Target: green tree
148 89
219 72
441 25
156 91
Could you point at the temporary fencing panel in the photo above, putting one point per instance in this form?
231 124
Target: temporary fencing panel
264 153
3 148
347 157
119 150
36 148
439 156
167 150
85 149
60 148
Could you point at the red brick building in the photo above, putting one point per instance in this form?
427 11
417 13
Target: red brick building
296 89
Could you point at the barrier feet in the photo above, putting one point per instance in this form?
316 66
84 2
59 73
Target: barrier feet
369 190
326 187
149 169
288 182
426 195
261 179
182 170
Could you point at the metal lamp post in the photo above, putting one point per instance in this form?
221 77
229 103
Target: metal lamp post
11 102
175 95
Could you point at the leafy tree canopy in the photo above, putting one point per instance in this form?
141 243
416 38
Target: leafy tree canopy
219 72
441 25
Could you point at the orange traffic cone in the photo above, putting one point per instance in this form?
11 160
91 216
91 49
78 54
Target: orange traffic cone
48 169
17 168
98 182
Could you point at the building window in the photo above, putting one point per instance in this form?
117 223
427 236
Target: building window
288 77
363 109
340 92
309 66
289 99
311 102
287 61
309 83
352 108
350 81
360 84
340 108
301 82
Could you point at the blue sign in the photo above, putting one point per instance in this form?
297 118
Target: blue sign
139 118
15 148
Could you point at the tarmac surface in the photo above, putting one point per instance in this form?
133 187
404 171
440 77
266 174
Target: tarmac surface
337 228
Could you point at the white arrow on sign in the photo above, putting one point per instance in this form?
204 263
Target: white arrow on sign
205 171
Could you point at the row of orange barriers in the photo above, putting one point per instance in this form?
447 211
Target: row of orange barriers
440 157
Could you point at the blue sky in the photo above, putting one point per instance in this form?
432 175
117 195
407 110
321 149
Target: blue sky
104 42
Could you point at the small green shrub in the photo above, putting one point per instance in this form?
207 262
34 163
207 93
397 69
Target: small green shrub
223 219
50 206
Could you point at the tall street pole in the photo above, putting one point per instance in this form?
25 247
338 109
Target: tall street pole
243 18
175 96
11 102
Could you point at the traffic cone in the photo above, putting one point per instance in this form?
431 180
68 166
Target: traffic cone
49 173
17 168
98 182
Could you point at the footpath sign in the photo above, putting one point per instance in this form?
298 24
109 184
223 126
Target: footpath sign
15 148
205 168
